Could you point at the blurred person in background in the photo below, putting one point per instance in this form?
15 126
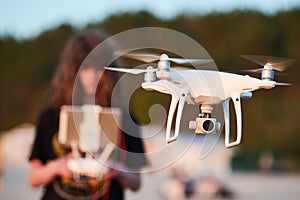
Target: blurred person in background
47 168
1 167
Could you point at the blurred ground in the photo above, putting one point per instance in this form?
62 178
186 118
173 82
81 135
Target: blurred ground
15 146
14 149
244 186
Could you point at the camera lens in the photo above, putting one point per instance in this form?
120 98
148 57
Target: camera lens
208 125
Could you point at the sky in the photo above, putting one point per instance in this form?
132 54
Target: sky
28 18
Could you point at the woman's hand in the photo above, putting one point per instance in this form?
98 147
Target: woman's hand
60 166
42 174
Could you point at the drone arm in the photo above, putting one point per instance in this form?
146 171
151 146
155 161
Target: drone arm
237 107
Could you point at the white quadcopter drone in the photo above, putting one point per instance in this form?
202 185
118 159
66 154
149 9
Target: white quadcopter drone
193 87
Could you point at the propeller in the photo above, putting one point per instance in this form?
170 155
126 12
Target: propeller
149 57
127 70
275 63
140 71
259 70
282 84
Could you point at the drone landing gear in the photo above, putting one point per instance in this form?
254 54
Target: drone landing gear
204 124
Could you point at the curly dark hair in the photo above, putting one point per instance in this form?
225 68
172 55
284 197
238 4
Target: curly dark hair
80 53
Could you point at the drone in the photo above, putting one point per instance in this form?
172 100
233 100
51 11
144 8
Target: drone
192 86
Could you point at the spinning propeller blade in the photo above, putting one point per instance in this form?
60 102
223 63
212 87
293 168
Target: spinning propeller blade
283 84
149 57
190 61
259 70
252 70
144 57
278 63
126 70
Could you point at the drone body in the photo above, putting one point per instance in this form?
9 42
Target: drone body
205 88
196 90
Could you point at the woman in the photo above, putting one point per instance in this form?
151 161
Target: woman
46 166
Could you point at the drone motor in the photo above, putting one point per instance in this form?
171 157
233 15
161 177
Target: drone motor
163 72
150 75
268 72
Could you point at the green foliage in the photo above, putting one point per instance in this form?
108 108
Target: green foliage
270 119
26 70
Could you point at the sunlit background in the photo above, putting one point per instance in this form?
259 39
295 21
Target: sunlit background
33 34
